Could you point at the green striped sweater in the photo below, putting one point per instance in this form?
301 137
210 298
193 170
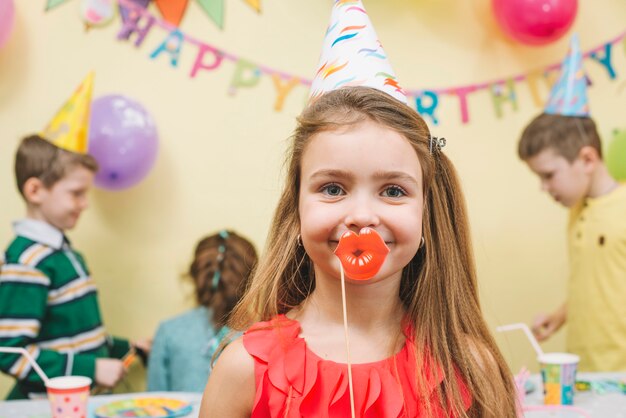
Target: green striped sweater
49 306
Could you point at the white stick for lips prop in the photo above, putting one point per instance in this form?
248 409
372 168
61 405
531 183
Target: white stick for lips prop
371 255
345 327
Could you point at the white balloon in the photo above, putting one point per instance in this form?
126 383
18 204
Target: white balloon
97 12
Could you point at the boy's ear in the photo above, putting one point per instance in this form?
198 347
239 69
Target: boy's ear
33 190
589 156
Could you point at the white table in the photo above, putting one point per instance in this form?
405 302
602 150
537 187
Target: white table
41 408
608 405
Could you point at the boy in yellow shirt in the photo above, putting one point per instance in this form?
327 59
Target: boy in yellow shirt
563 148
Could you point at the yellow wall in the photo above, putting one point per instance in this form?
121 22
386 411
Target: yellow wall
220 159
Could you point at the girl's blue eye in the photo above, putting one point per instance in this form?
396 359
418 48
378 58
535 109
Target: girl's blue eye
332 190
394 191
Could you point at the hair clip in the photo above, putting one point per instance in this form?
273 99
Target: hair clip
436 142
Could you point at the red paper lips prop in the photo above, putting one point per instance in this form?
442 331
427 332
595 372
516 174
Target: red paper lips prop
361 255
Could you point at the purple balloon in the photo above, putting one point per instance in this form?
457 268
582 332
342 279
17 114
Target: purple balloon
123 139
7 15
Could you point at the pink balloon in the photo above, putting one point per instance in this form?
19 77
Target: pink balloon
535 22
7 15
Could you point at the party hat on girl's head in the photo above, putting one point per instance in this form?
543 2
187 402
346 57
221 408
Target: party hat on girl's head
569 94
352 54
68 129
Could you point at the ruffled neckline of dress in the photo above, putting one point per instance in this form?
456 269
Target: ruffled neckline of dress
292 381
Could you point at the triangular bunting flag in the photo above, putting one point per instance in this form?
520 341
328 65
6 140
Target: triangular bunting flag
124 11
51 4
255 4
172 10
215 10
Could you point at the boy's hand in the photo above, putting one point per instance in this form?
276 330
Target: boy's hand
109 372
144 345
544 326
142 348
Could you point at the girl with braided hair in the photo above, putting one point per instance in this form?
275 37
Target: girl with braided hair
184 345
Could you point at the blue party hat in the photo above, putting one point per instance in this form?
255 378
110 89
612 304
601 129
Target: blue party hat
569 94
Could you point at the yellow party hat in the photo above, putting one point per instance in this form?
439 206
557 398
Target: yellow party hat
69 128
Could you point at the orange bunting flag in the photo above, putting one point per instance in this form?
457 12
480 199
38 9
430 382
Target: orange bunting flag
172 10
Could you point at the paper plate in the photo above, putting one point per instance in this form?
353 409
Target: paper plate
144 407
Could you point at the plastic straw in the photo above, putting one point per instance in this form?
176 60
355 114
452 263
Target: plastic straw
528 333
31 360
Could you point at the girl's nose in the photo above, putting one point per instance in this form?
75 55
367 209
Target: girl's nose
362 213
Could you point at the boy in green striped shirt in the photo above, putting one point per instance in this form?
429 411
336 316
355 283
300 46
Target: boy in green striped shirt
48 301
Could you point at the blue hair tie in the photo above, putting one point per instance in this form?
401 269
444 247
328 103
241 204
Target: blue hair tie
216 280
220 257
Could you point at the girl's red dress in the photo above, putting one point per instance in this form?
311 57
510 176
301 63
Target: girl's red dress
292 381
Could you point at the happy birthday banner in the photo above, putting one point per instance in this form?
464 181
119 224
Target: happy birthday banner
139 22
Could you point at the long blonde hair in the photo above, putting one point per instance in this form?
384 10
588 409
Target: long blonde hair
438 287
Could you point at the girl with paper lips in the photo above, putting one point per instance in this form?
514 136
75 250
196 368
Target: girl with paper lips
363 191
371 222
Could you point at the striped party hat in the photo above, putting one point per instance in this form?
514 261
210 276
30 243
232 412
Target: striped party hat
569 94
352 54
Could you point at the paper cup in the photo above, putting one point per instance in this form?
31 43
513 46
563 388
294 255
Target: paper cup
558 373
68 396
